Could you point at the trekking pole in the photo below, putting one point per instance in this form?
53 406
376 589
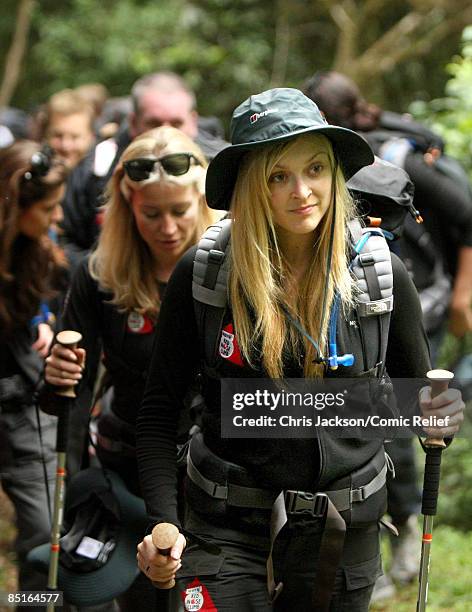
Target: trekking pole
69 339
433 448
164 536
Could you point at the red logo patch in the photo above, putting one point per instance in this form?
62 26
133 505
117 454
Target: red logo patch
229 348
139 324
196 597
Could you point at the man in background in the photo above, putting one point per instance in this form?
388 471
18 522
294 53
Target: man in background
161 98
66 123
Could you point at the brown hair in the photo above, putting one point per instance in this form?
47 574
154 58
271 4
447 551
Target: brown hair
65 102
27 266
95 94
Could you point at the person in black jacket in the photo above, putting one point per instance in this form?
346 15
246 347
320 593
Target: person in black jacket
442 195
161 98
31 189
437 253
156 210
283 179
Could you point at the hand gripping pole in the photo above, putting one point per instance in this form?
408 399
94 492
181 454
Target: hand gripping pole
70 339
164 536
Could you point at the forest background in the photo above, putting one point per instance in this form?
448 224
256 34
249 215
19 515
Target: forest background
397 52
407 56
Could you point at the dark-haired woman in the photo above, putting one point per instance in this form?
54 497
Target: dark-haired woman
31 189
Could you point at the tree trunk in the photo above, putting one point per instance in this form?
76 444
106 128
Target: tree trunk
411 36
281 46
16 52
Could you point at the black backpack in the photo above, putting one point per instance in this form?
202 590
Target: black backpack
395 139
384 195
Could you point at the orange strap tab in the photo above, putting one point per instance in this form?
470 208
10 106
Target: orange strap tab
374 221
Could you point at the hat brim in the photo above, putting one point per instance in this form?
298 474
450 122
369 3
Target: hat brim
352 151
120 571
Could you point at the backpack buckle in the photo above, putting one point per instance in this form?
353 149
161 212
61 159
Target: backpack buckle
300 502
366 259
215 256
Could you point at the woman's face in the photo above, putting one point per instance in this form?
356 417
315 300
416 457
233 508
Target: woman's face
35 221
300 186
166 216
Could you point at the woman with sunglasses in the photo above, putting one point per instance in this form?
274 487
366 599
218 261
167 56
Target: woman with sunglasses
155 211
260 533
31 267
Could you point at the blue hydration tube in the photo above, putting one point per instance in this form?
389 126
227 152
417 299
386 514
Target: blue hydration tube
334 360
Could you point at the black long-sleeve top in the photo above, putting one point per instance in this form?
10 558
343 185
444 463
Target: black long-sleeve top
277 464
126 348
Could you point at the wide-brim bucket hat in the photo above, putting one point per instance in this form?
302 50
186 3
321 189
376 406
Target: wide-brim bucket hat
97 559
273 116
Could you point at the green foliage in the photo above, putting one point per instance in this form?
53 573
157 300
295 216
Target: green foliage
455 498
451 116
115 42
226 49
455 495
219 47
449 578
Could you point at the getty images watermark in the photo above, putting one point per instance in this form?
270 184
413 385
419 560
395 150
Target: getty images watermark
297 408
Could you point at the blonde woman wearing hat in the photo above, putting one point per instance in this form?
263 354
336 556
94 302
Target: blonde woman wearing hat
283 179
155 211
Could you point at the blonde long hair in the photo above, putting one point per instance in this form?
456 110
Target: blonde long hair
258 268
122 262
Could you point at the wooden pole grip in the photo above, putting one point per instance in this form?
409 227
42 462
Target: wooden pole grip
439 380
164 536
69 339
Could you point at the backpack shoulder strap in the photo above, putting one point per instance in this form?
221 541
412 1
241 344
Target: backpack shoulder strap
210 288
371 266
372 269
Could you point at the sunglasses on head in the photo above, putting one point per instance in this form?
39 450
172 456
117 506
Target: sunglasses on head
41 163
175 164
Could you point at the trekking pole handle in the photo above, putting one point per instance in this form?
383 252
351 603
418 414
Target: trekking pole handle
434 447
164 536
439 382
69 339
